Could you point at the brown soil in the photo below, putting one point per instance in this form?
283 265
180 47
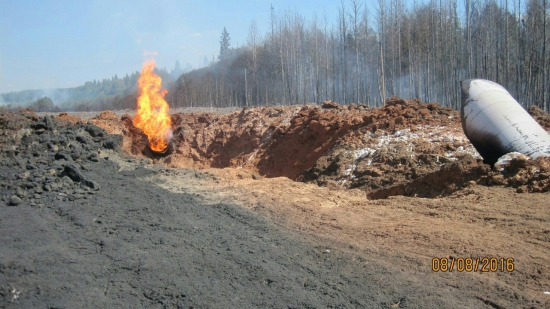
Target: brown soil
281 141
404 148
540 116
400 184
404 232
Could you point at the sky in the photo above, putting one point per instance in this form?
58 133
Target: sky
46 44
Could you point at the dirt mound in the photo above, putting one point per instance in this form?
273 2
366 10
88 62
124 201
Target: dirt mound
540 116
399 114
282 141
406 140
9 123
51 154
331 145
450 178
524 174
106 115
110 122
67 118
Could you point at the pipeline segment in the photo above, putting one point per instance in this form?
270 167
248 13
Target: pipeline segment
496 124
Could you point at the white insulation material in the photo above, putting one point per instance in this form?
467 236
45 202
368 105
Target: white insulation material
496 124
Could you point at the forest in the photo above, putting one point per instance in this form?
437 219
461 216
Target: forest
380 49
375 49
113 93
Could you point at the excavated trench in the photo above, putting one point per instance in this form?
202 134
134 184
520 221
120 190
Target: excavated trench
403 148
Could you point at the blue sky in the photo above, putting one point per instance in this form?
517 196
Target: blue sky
59 44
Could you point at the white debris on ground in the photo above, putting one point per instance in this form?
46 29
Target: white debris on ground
431 134
14 294
452 139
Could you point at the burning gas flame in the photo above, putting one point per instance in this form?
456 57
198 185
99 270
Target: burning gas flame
152 111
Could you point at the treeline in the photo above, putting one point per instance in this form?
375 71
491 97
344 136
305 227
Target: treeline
84 97
374 52
114 93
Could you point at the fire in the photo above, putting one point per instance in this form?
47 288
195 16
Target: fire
152 110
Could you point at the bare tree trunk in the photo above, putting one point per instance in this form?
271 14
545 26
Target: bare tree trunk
383 75
282 71
356 7
343 65
545 86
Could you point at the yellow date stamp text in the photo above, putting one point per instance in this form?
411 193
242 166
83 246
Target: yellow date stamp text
484 264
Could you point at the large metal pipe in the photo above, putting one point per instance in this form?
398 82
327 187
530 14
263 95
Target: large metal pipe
496 124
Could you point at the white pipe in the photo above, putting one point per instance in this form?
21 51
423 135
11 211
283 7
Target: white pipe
496 124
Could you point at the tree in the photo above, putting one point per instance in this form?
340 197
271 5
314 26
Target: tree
177 71
224 44
44 104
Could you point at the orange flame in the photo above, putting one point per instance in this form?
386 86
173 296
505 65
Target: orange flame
152 113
